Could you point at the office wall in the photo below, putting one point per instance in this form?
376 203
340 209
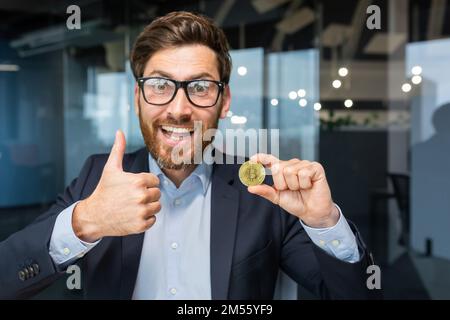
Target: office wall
31 134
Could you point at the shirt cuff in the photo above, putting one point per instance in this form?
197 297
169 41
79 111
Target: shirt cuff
65 246
338 241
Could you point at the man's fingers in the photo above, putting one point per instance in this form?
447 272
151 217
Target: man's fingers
276 167
148 224
266 192
153 208
278 177
149 209
291 173
305 176
266 160
291 178
145 179
149 195
118 150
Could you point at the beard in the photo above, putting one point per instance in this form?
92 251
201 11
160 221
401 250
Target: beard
167 156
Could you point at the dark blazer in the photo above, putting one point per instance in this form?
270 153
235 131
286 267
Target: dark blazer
251 238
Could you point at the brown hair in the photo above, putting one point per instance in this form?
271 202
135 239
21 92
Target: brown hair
177 29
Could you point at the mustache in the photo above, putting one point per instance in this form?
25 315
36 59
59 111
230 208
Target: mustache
186 123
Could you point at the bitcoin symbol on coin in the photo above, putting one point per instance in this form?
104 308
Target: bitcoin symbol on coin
252 173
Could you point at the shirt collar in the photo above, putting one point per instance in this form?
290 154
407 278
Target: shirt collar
202 171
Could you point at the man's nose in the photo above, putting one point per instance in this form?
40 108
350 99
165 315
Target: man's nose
180 107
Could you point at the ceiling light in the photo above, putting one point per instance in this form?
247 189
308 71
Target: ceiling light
348 103
416 70
242 71
406 87
302 102
343 72
238 120
292 95
301 93
9 67
337 84
416 79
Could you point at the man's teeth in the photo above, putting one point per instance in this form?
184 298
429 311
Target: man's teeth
176 133
177 129
175 138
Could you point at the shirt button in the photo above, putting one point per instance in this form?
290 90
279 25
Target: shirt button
177 202
174 245
173 291
66 251
322 242
166 182
335 243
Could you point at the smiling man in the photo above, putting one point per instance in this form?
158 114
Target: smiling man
147 226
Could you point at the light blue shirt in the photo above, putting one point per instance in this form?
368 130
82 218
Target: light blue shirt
175 257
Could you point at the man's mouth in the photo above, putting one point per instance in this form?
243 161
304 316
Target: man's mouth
176 134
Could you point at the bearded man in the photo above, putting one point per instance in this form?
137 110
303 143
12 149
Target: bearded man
154 224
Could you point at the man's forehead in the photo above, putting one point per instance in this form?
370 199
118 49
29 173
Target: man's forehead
183 62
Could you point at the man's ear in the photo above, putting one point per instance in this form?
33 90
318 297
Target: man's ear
136 99
226 102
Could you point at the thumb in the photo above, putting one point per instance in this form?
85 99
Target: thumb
117 152
266 192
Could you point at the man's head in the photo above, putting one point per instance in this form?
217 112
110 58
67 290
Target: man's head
180 46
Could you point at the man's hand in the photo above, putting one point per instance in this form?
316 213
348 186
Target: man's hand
299 187
123 203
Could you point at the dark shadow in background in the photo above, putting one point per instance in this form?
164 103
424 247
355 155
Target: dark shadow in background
356 165
430 189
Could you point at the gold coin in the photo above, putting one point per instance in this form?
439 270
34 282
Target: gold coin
252 173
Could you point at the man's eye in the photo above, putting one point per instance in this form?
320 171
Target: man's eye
159 84
201 87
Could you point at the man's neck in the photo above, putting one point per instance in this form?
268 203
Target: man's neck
178 176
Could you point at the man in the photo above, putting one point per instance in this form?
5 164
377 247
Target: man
147 226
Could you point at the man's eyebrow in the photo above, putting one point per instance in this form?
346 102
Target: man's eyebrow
202 76
161 73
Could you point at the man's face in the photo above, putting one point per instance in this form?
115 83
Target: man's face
164 127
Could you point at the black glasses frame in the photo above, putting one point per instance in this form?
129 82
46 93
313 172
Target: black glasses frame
178 85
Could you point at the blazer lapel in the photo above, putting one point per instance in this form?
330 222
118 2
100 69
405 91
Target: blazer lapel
132 244
224 213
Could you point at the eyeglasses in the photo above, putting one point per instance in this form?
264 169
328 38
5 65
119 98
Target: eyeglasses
160 91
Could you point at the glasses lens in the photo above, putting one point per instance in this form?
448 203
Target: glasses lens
158 90
203 93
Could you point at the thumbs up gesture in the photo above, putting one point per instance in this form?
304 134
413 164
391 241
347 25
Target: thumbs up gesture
123 203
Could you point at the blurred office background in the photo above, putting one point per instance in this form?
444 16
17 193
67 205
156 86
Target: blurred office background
372 105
